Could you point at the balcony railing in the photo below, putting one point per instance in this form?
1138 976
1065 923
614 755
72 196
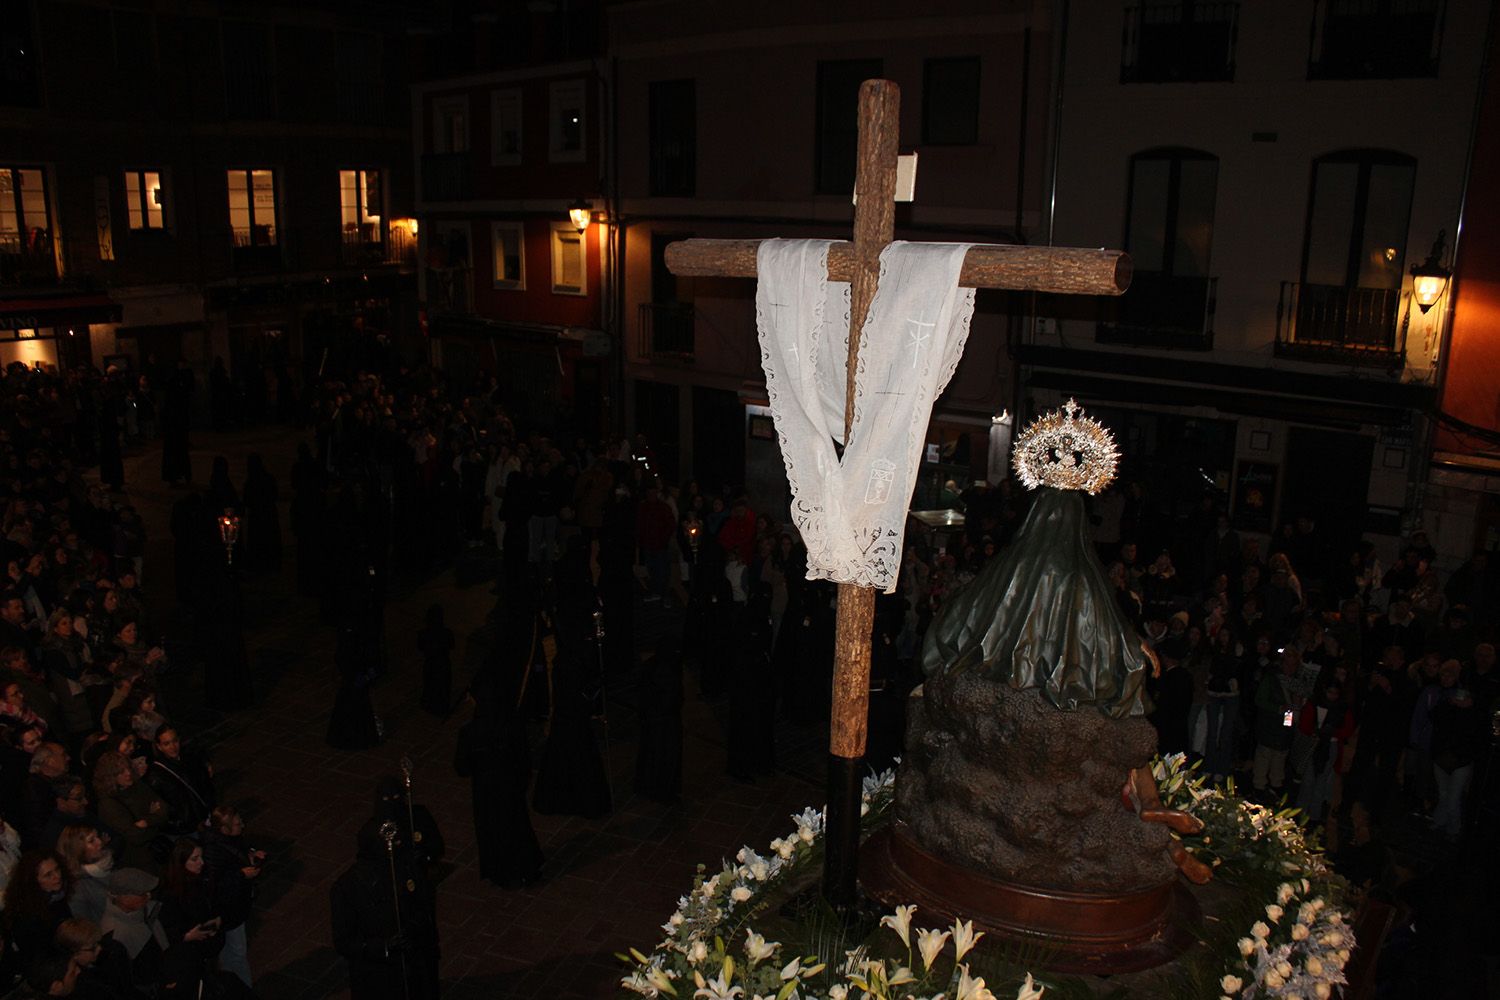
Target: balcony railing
1349 325
445 176
1375 39
1163 310
1180 42
665 330
35 265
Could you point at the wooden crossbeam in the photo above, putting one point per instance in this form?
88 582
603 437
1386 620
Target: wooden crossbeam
1060 270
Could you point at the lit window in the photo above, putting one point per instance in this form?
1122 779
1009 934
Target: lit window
144 199
510 256
569 260
24 227
566 143
252 207
359 205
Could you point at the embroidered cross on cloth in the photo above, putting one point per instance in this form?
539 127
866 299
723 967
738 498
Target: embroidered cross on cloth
851 509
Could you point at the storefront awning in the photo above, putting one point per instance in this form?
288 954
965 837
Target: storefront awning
57 311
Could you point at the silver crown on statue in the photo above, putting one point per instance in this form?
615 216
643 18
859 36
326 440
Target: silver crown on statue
1066 451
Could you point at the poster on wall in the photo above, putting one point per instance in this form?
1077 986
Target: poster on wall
1254 496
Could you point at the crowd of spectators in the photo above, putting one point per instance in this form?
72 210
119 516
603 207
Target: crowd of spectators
122 873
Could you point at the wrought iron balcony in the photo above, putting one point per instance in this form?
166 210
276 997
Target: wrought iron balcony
32 265
1375 39
1181 42
665 330
1350 325
445 177
1163 310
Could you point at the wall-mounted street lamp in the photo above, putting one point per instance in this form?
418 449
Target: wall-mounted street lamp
1429 279
581 213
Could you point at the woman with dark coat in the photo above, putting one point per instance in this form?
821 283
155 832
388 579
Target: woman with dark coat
129 808
188 913
183 779
36 901
494 755
262 518
231 868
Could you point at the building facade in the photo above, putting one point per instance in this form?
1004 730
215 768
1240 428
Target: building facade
739 121
1275 170
513 287
181 182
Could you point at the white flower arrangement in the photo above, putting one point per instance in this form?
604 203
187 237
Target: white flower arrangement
1297 947
1303 942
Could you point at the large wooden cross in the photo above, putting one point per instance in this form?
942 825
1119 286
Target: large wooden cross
1020 268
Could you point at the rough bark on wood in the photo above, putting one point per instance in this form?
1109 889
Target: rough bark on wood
1057 270
874 224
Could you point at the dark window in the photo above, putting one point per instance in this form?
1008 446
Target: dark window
1353 254
674 138
1169 232
1357 219
360 88
1172 41
1375 39
135 41
838 121
950 101
249 91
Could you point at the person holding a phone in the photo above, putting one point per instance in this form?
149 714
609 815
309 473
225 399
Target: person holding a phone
187 905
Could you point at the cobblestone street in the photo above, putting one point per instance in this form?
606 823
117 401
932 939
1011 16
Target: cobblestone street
608 883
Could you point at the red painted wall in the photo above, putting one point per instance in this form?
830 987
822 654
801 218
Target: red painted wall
1471 386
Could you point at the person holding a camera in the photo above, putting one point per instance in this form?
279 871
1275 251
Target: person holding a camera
1275 724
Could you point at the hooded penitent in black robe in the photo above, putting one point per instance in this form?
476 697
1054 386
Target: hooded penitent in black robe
493 754
1043 615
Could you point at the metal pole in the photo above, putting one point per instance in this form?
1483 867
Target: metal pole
388 834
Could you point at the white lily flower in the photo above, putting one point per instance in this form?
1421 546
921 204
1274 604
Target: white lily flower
930 944
838 991
791 970
901 977
900 922
971 987
661 980
1030 990
718 989
758 948
964 938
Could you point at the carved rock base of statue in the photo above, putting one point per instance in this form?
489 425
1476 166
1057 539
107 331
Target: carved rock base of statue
1013 813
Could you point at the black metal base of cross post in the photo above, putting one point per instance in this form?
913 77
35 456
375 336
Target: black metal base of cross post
841 832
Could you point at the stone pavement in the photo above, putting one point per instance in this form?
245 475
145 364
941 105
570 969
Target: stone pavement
609 883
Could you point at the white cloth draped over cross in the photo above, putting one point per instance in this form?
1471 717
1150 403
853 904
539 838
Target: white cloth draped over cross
851 511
